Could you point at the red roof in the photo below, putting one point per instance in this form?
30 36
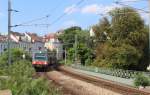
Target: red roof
3 38
50 36
35 37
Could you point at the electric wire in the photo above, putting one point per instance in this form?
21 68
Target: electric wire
37 19
120 3
47 16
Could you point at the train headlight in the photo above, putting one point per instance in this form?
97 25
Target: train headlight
45 62
34 62
148 68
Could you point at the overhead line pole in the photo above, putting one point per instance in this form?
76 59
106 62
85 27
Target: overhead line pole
9 31
65 56
149 31
76 37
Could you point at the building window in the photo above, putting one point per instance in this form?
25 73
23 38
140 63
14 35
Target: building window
1 46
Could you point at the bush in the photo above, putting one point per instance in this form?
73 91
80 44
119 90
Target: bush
20 80
68 62
141 80
16 55
124 56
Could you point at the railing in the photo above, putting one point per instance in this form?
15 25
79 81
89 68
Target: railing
113 72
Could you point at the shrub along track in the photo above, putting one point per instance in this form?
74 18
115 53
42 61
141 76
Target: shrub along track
112 86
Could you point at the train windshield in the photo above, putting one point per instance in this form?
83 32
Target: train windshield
40 56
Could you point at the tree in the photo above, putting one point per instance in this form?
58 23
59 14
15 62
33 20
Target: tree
83 44
83 52
68 36
102 30
127 47
124 21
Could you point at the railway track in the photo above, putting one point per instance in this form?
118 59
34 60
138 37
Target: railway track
45 75
116 87
112 86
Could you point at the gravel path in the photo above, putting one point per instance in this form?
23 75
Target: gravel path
78 87
5 92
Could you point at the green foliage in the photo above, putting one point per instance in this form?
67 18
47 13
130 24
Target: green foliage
68 36
70 53
16 55
83 42
68 62
127 47
101 29
83 52
123 57
123 23
141 80
20 76
21 68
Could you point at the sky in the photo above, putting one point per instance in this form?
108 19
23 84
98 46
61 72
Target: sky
71 13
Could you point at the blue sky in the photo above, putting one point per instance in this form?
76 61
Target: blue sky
84 15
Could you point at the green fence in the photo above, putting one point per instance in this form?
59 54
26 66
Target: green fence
113 72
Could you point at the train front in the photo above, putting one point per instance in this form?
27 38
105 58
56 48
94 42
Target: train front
40 60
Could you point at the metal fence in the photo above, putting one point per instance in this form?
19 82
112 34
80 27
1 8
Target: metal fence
112 72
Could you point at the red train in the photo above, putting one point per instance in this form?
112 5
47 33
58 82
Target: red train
43 59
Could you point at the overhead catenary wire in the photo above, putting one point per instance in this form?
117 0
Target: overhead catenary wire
122 13
35 20
47 25
65 13
44 25
41 18
125 1
120 3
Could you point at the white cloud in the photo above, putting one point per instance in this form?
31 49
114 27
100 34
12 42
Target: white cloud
94 8
71 9
145 17
98 9
128 0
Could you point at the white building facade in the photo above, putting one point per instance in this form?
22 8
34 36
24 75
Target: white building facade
22 45
22 41
53 44
92 33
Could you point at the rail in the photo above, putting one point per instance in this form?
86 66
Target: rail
117 87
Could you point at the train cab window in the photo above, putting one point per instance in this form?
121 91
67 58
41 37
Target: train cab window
40 56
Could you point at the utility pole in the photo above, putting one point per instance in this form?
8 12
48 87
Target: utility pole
9 31
65 56
149 30
76 37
